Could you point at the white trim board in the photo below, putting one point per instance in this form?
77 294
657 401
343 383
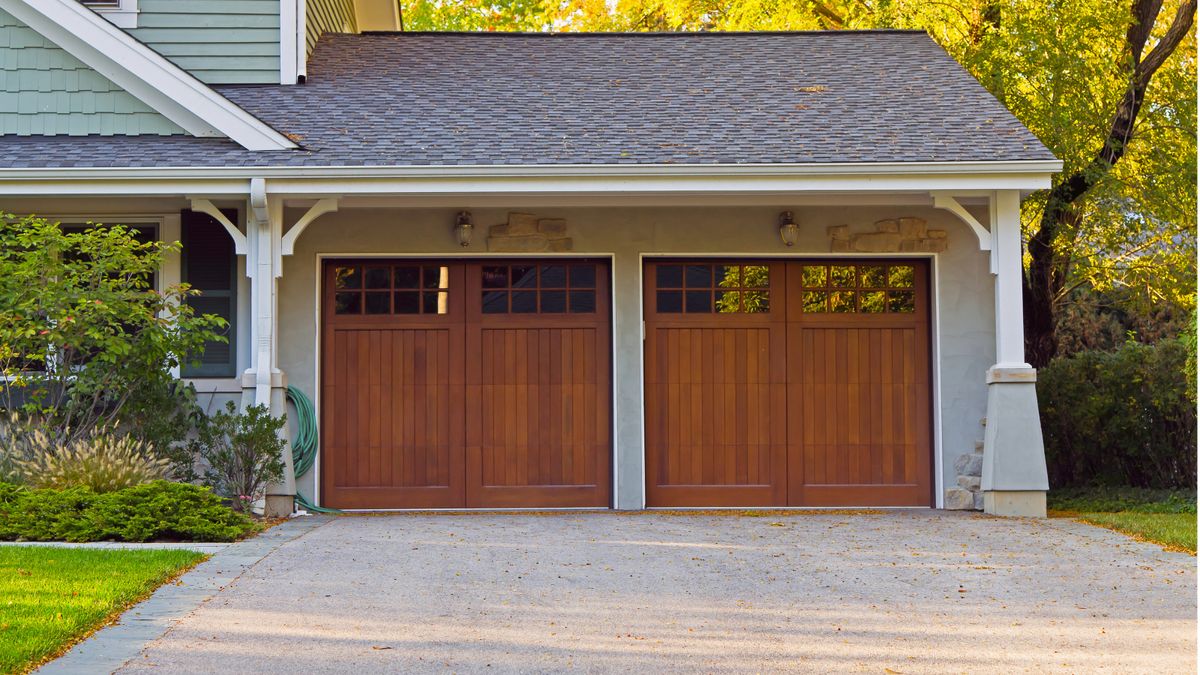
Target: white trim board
144 73
455 182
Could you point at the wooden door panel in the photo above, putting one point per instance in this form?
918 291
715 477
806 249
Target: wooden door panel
859 385
818 396
539 382
714 392
392 394
432 399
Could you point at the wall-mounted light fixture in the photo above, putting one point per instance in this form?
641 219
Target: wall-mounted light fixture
789 231
464 229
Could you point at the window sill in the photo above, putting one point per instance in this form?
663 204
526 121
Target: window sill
121 18
215 385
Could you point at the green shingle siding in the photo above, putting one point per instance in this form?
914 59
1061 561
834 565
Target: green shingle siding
218 41
328 16
44 91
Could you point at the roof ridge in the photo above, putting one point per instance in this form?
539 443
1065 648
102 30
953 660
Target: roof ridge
661 34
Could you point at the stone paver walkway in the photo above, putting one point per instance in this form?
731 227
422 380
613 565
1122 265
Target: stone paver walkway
904 591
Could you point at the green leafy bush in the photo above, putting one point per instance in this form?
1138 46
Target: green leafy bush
243 452
102 461
1120 418
86 340
158 510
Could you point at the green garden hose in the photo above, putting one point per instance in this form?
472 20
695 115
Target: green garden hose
304 445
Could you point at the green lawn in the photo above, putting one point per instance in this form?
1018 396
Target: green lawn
1165 517
50 598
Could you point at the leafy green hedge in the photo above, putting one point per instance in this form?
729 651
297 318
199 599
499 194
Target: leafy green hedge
153 511
1126 417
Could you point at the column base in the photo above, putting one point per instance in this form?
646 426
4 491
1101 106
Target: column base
1020 503
279 506
1014 481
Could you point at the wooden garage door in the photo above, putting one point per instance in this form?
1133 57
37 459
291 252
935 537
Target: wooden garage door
477 385
797 383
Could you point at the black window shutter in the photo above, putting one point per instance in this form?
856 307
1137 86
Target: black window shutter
210 266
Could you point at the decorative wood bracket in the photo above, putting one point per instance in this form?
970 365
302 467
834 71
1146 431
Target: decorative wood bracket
328 205
949 203
239 239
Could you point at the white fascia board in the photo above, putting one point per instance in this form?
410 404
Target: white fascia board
144 73
546 179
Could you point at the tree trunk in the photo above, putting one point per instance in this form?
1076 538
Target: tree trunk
1048 267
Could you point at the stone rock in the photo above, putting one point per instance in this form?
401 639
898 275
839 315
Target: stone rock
526 233
936 234
887 226
521 223
969 465
969 482
840 246
933 245
978 446
912 228
909 246
877 242
958 499
518 243
978 501
838 232
552 227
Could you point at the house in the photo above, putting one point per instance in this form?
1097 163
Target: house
542 271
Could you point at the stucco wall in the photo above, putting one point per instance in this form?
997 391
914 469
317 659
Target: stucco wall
964 344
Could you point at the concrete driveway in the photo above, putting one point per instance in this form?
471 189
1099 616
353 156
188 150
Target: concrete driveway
892 592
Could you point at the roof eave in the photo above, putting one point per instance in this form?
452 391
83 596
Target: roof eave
1023 175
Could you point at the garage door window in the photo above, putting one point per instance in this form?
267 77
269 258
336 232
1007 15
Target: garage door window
548 288
703 288
862 289
391 289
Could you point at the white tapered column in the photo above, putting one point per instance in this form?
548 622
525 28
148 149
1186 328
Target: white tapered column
1014 479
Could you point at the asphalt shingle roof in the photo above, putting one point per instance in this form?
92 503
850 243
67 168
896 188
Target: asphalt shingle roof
383 99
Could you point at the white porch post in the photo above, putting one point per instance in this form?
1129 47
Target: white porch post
1014 479
263 383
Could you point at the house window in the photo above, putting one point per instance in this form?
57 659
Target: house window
121 13
209 265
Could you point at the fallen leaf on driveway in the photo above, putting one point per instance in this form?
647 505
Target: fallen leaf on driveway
380 647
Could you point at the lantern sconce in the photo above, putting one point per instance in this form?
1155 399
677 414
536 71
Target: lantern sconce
464 229
789 231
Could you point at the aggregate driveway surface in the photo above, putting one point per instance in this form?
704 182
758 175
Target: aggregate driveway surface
905 592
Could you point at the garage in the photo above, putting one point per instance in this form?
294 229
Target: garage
797 383
465 384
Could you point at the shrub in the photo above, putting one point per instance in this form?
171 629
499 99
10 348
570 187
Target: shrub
158 510
1120 418
101 461
243 452
18 440
85 339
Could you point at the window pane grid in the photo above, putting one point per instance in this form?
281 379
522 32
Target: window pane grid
864 289
391 289
543 288
706 288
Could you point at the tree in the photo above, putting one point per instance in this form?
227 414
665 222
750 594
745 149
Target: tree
1063 211
84 337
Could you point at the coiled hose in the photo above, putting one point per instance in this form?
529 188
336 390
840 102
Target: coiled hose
304 445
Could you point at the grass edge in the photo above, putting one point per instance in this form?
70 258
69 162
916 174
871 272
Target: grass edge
112 617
